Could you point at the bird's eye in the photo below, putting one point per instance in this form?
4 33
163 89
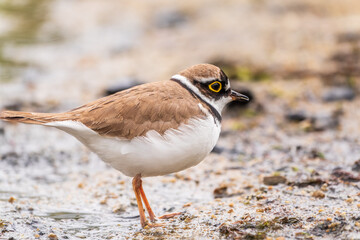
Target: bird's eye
215 86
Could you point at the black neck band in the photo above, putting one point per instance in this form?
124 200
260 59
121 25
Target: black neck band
212 109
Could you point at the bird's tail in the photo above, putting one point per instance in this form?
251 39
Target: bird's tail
32 118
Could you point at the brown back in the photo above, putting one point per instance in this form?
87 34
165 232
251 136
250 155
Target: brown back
155 106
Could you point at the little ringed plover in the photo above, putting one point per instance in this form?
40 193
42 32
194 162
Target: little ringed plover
152 129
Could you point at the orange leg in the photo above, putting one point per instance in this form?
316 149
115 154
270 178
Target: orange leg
147 205
136 182
139 192
150 211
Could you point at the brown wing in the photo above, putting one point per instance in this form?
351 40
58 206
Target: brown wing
154 106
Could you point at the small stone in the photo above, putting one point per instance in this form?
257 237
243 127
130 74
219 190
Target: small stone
119 209
296 116
217 149
338 94
324 122
348 37
274 180
11 200
349 200
324 187
220 191
187 204
169 18
103 201
356 166
318 194
52 236
80 235
344 175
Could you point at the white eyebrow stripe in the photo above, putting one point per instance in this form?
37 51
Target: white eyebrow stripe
218 105
187 83
206 80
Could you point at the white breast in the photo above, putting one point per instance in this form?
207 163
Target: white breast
153 154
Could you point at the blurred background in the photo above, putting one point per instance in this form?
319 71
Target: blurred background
293 149
87 46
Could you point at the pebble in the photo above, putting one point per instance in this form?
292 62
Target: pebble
218 149
170 18
296 116
11 200
338 94
52 236
187 204
274 180
80 235
324 187
349 37
356 166
318 194
119 208
323 122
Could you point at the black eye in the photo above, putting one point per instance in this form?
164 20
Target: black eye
215 86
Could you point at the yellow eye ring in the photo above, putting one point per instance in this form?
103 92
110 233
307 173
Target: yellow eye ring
217 86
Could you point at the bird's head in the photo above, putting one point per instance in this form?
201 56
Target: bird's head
209 83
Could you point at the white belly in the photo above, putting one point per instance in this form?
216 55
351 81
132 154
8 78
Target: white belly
153 154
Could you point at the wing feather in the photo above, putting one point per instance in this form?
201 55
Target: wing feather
155 106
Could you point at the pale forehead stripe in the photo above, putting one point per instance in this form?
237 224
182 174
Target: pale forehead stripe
227 86
206 80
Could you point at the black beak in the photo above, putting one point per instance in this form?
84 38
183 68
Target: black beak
238 96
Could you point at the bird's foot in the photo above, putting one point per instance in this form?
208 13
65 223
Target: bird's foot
170 215
151 225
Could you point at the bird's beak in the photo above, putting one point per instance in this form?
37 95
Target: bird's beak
238 96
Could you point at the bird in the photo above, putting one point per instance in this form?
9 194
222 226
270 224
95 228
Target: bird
152 129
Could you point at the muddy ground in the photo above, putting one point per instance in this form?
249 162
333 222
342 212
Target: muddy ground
287 165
